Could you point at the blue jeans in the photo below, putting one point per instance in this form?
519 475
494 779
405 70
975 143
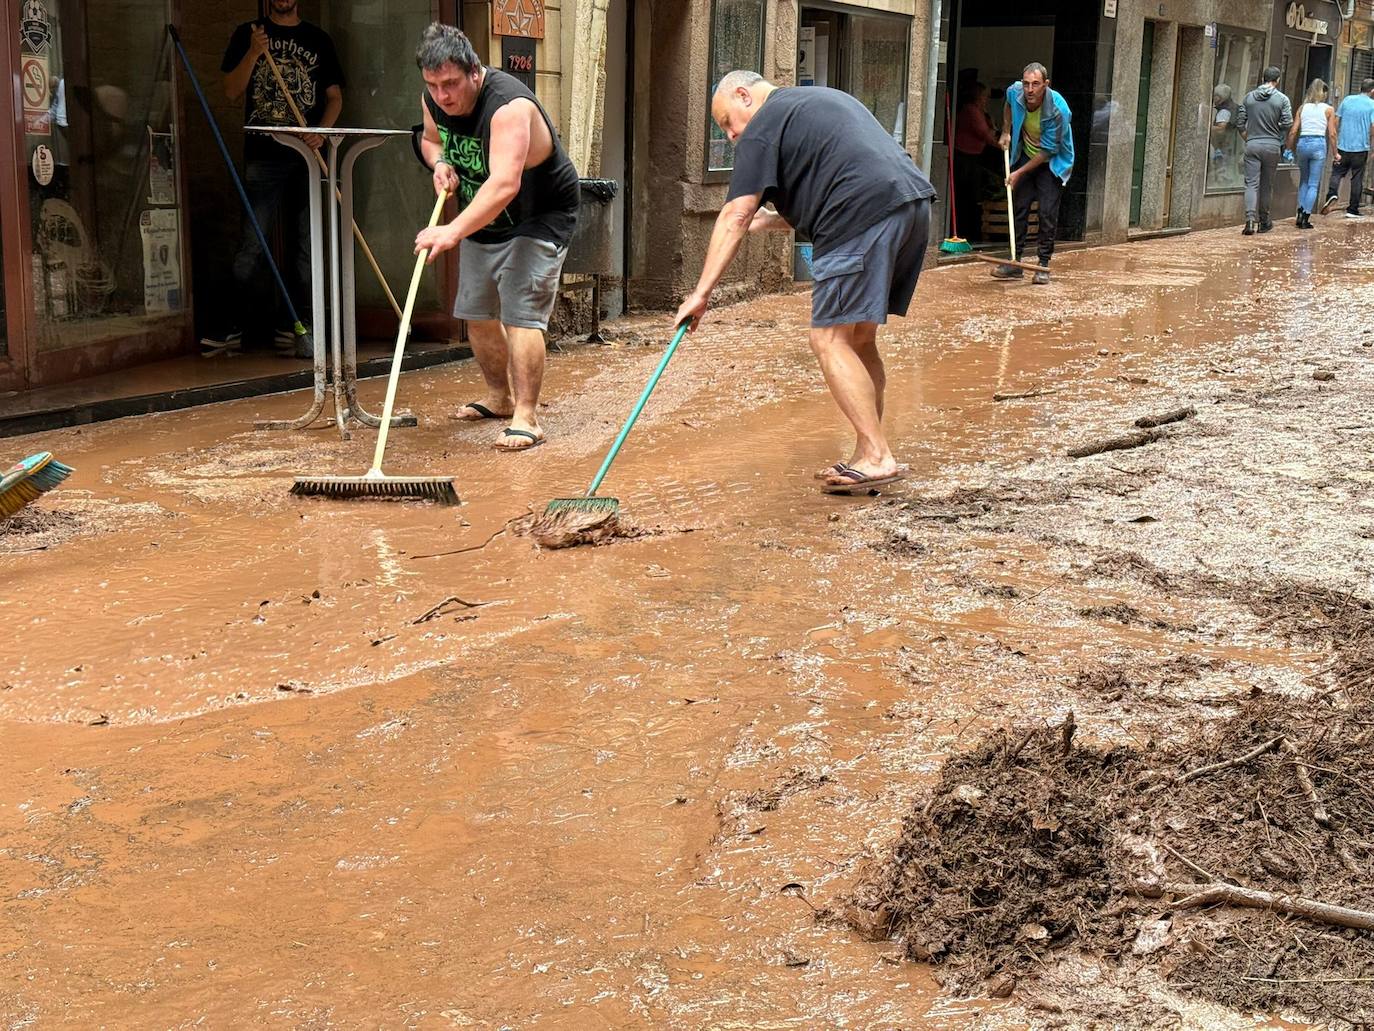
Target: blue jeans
1311 160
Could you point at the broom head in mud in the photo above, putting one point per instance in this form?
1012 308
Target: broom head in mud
28 480
584 504
375 485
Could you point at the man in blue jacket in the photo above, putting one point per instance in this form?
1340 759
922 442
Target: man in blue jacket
1354 134
1041 144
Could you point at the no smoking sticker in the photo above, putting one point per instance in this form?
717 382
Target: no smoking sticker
34 81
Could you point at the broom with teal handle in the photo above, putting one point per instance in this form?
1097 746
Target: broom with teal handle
589 502
29 480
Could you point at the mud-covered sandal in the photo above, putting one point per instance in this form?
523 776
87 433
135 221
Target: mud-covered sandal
856 481
507 433
483 412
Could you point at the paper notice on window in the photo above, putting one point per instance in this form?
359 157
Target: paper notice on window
162 187
806 55
161 260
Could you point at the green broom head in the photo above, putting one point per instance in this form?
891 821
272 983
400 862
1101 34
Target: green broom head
28 480
956 245
584 504
427 488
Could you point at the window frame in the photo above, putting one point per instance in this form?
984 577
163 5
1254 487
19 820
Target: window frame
1262 35
722 175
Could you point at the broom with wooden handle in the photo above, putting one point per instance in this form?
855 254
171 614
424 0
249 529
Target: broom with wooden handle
362 240
374 483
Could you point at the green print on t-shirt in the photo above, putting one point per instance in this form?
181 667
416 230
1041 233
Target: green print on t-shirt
464 155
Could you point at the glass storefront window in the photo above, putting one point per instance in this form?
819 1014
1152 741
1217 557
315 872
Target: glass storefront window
1239 61
736 42
877 49
375 41
100 148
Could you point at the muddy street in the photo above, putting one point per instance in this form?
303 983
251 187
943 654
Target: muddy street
293 762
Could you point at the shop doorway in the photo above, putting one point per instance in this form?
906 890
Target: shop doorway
990 53
865 54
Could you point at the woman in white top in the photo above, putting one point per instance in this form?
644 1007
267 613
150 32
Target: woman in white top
1313 131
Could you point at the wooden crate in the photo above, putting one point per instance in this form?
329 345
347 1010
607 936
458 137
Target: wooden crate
994 212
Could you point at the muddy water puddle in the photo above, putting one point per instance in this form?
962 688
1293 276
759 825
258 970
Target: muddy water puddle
601 787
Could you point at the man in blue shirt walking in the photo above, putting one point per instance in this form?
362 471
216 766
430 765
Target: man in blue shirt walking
1354 135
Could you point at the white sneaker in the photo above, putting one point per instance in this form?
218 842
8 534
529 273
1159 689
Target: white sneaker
1354 217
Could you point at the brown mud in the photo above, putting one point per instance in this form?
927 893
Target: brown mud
301 762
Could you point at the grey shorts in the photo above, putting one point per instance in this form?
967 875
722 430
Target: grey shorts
515 282
872 275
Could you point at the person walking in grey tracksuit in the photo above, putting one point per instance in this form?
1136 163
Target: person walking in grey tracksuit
1263 119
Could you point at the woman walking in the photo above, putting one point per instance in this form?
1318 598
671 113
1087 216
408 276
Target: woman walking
1314 130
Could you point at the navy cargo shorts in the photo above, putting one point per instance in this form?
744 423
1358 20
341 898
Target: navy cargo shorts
872 275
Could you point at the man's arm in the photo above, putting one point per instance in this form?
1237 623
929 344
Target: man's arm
1335 132
333 104
236 79
1005 141
510 147
732 226
766 220
1240 119
432 150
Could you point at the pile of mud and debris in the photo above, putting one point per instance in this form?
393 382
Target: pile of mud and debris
574 527
1236 861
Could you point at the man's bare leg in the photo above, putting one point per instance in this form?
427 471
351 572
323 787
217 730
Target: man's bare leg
526 377
492 351
866 347
852 386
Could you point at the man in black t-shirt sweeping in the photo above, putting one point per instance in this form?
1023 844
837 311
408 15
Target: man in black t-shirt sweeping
274 177
493 147
840 180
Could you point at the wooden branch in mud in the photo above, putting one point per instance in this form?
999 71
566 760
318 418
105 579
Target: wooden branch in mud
442 609
1022 395
1196 895
1148 422
1239 760
1121 443
1309 789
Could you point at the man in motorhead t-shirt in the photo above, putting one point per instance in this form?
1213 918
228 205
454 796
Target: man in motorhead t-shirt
492 145
840 179
275 178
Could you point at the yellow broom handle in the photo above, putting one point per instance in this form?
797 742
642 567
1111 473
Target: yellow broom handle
362 240
401 339
1011 210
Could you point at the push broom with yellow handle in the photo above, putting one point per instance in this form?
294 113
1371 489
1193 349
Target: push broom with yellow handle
374 483
362 240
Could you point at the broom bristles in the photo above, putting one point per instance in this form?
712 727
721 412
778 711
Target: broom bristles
432 488
956 245
582 505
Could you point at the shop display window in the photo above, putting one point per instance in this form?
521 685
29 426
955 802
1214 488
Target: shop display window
736 42
99 144
1239 62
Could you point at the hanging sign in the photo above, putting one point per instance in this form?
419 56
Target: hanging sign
43 165
37 89
518 18
34 30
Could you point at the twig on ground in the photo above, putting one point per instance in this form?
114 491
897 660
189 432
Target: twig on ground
462 551
1022 395
1309 789
1146 422
1239 760
1122 443
442 609
1188 862
1251 898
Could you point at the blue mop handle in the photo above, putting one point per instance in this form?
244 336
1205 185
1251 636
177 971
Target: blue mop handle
234 175
643 399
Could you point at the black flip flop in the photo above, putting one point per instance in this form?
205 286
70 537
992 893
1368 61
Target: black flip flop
482 411
508 432
859 482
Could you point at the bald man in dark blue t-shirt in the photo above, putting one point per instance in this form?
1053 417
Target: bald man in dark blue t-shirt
839 179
